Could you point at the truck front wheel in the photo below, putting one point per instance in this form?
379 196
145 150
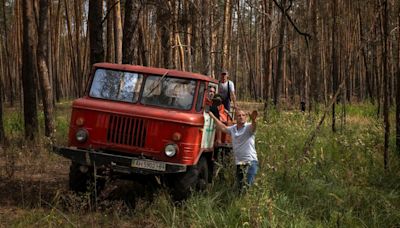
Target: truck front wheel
80 182
202 178
195 178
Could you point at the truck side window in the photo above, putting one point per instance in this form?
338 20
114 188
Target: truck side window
200 97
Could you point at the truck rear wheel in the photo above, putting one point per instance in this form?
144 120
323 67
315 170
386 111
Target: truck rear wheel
195 178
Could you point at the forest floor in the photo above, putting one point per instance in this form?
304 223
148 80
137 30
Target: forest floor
339 182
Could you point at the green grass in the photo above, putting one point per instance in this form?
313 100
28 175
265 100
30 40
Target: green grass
339 183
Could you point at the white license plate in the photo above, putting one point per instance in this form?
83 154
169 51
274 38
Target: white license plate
145 164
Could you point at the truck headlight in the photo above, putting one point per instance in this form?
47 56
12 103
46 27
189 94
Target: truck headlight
171 149
81 135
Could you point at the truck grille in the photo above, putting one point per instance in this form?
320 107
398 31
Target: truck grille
127 131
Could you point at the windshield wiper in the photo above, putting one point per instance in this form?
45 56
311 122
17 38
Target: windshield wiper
158 84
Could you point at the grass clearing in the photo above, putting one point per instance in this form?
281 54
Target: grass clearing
341 182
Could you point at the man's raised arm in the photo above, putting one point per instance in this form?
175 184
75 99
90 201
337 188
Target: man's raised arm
220 125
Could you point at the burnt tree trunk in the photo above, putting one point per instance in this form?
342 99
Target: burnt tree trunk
96 31
128 31
398 88
28 71
385 84
109 34
280 64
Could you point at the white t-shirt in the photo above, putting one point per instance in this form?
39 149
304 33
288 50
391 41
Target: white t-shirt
223 89
243 143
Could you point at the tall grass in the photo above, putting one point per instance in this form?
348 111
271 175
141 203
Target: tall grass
339 183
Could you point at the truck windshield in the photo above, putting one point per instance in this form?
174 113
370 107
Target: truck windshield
116 85
169 92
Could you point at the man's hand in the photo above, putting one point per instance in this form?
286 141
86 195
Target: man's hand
253 115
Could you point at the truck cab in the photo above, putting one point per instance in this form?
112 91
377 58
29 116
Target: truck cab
136 122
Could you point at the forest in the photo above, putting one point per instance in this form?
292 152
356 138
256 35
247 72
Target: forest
335 164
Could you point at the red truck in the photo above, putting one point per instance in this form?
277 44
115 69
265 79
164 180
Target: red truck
139 122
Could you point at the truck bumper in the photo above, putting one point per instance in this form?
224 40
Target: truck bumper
119 163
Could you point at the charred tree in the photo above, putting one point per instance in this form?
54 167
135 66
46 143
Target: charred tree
279 70
96 31
130 23
398 87
28 71
385 83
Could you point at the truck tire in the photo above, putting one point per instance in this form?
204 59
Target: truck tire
203 175
83 182
78 181
195 178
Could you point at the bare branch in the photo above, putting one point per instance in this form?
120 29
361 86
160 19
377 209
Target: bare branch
108 12
306 35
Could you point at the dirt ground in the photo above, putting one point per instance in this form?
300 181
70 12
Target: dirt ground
31 182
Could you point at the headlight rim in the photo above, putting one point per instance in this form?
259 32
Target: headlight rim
171 146
85 135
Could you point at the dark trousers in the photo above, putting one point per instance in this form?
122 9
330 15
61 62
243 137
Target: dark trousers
245 174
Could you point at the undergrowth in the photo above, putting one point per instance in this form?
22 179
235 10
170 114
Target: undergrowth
340 182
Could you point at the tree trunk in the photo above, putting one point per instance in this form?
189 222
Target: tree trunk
385 84
28 71
280 64
213 38
47 96
226 35
7 70
56 55
130 24
334 64
96 31
315 63
117 32
204 33
398 87
71 49
164 24
109 31
78 60
142 45
266 54
365 59
189 35
2 133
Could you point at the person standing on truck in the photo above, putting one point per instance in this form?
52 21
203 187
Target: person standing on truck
243 145
227 90
214 103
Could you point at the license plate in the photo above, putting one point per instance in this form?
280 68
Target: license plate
145 164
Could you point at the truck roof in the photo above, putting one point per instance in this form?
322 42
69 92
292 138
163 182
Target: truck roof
155 71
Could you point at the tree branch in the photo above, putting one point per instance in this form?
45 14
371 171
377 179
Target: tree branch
108 12
306 35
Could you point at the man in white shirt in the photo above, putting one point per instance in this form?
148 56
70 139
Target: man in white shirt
243 144
226 89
